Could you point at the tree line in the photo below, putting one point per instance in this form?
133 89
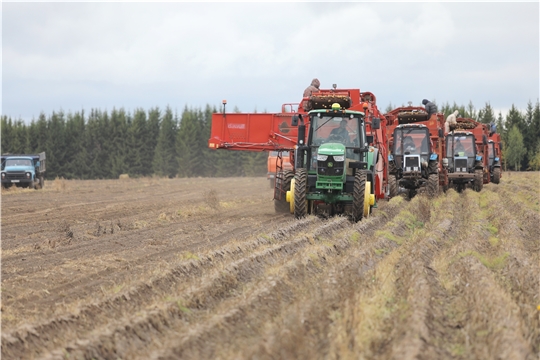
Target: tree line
103 145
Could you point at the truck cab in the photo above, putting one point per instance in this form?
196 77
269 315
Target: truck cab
23 170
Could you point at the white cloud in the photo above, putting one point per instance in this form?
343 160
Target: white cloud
265 54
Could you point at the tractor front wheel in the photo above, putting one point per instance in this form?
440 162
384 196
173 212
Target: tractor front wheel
433 185
282 185
392 185
496 175
300 194
478 179
359 194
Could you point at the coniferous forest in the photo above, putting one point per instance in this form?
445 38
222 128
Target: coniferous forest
104 144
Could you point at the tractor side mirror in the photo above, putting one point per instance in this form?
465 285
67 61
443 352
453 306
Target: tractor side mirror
369 139
376 123
441 133
294 120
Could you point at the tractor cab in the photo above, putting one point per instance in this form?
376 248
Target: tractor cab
464 163
411 149
461 152
335 140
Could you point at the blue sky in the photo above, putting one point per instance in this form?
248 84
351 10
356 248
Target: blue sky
72 56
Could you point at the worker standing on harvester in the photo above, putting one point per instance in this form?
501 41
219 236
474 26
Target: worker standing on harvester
314 87
450 120
431 108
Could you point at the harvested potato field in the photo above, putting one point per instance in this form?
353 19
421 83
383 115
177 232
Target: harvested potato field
205 269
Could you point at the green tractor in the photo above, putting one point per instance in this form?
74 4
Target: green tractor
334 170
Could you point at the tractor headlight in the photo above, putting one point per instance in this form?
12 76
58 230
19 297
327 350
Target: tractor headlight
322 157
339 158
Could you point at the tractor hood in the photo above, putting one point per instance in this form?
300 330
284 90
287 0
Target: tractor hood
332 149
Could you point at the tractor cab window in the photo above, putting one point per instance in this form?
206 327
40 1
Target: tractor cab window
411 141
336 129
460 146
344 129
18 162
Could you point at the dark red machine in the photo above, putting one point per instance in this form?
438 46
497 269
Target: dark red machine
416 151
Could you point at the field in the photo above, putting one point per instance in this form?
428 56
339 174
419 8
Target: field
205 269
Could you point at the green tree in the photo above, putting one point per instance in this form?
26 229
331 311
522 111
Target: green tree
165 163
136 144
117 143
151 140
514 150
486 115
56 145
189 144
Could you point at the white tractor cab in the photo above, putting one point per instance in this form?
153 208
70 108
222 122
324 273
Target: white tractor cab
413 163
464 164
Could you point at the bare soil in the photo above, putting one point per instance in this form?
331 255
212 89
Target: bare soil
204 268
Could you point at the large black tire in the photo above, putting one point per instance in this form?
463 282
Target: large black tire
496 175
392 186
283 181
478 183
300 193
359 195
433 185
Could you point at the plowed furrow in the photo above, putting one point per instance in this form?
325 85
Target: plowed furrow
518 269
216 287
295 321
490 318
28 339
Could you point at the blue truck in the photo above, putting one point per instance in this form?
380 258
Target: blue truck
26 170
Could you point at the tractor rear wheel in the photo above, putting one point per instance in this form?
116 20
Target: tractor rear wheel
496 175
478 180
300 194
283 184
359 194
392 185
433 185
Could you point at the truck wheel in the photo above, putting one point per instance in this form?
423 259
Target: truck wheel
282 183
359 191
496 175
478 179
392 185
300 193
433 185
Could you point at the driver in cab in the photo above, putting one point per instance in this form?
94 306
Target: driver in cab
341 132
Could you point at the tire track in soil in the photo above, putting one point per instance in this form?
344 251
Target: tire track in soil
31 339
486 314
130 253
127 339
304 293
322 229
519 274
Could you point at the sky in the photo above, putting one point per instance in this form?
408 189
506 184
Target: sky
73 56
